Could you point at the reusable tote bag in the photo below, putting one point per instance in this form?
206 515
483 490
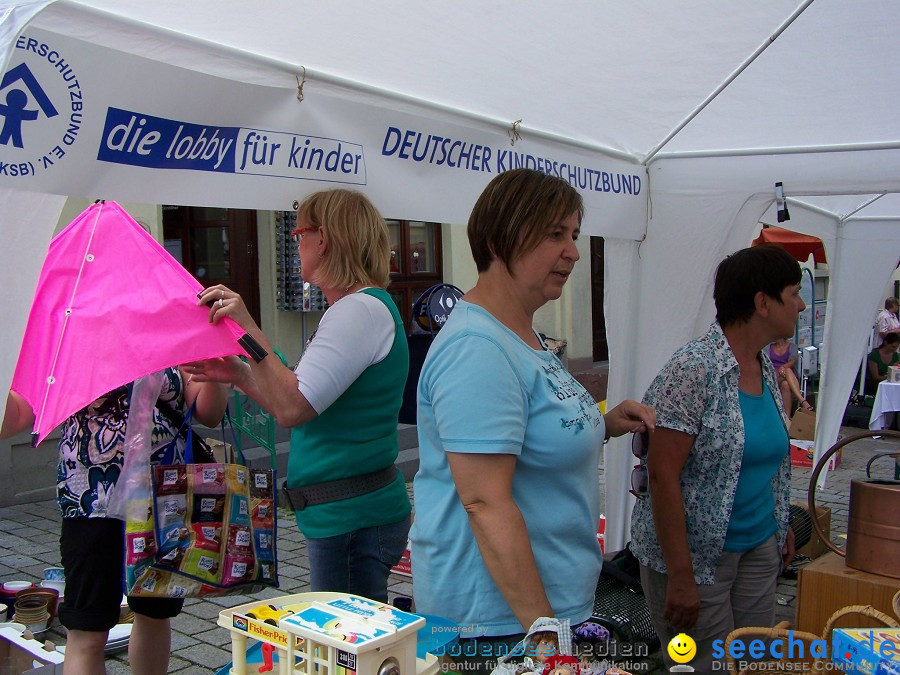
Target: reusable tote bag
209 530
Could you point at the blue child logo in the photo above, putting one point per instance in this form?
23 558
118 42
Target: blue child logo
15 111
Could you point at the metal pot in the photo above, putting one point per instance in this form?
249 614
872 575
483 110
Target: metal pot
873 523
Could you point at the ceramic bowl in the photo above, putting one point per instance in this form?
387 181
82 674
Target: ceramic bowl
54 574
16 586
59 586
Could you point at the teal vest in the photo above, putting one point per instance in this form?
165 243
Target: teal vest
357 434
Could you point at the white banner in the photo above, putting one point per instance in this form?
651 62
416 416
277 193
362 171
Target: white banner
84 120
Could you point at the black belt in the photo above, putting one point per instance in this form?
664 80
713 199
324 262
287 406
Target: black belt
336 490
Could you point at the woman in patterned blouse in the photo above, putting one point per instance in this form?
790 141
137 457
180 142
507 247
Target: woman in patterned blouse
712 534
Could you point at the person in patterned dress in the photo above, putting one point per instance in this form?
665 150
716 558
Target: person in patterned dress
92 545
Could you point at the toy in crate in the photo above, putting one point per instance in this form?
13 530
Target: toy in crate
327 634
874 651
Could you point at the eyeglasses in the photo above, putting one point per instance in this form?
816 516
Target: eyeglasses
640 479
298 234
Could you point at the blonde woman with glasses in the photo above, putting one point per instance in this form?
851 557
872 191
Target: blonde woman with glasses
342 400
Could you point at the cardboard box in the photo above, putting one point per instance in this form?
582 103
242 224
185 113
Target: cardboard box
803 425
815 546
893 374
19 655
872 651
223 452
802 455
827 584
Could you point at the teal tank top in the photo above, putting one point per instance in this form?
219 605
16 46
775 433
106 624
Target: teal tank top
765 444
356 434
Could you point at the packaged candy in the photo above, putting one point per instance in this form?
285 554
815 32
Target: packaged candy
261 511
170 480
240 540
264 543
204 565
261 484
237 477
238 568
207 479
207 536
239 513
139 546
208 508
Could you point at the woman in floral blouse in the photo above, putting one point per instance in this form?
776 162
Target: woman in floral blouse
712 534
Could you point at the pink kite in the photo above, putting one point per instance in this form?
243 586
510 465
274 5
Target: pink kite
111 306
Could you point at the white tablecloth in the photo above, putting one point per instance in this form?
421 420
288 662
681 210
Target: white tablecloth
887 401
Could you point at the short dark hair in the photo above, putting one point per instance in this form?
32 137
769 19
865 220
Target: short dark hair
891 302
515 211
892 339
767 268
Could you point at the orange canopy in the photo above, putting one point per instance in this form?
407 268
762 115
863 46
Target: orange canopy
798 245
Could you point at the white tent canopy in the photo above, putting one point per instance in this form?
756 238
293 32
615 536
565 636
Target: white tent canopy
674 119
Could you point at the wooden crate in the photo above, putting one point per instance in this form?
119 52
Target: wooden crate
827 584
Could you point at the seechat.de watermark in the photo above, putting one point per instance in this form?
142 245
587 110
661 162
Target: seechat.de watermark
791 652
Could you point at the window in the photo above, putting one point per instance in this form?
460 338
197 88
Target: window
416 261
217 246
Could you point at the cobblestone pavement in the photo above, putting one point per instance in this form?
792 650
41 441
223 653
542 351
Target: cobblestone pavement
29 537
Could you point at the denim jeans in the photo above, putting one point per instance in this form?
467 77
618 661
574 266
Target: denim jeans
358 562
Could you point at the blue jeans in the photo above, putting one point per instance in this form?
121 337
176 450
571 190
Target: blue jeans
358 562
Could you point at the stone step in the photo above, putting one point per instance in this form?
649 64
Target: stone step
407 436
408 462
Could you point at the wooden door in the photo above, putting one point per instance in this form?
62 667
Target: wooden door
217 246
598 319
416 262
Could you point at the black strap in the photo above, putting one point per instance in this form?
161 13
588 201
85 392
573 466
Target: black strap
336 490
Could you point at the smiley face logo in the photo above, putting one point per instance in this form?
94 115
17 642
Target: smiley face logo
682 648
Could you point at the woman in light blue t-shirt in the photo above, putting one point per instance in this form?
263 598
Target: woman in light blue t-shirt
507 496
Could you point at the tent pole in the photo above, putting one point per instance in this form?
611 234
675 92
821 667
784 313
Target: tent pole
728 80
871 219
813 208
850 216
783 150
861 207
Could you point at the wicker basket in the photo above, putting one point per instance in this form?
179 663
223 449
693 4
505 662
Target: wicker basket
811 663
856 610
781 630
